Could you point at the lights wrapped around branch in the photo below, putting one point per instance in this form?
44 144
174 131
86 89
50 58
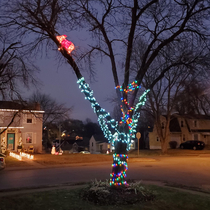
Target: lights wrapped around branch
119 162
104 118
106 122
113 131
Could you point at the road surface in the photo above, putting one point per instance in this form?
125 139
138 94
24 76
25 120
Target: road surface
191 171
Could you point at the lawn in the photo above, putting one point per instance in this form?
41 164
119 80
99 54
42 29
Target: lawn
165 199
144 155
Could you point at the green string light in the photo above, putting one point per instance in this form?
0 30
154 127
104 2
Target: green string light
110 127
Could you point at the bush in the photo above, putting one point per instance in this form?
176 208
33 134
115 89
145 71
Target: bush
6 152
173 144
102 193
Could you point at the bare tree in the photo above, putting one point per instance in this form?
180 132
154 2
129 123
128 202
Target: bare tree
114 26
183 65
194 98
54 112
16 71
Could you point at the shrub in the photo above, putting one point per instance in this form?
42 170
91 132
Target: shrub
173 144
102 193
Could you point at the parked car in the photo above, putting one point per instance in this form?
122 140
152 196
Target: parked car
85 152
2 161
194 144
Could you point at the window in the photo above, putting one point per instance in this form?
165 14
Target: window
1 117
183 137
162 125
182 123
29 138
29 120
195 123
157 139
204 136
92 144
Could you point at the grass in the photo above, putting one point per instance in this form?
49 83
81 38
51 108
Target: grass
49 160
171 152
13 162
70 200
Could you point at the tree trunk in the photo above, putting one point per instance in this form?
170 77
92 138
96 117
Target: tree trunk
164 145
119 166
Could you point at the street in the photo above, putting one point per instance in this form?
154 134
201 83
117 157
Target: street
191 171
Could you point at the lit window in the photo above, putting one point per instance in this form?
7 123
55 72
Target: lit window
29 138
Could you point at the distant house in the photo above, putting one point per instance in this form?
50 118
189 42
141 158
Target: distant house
98 144
72 145
183 128
26 126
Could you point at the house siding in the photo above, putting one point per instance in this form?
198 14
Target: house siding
96 147
190 129
20 127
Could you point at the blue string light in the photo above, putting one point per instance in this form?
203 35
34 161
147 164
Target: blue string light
110 127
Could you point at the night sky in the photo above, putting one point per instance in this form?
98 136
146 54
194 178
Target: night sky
60 83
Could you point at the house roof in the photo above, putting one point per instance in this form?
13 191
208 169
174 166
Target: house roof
193 116
100 138
203 124
18 105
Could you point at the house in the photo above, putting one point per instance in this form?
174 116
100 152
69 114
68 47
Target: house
183 128
20 125
72 144
98 144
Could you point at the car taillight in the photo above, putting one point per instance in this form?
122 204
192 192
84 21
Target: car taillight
198 143
1 159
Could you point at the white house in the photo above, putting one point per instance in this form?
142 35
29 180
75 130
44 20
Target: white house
98 144
20 124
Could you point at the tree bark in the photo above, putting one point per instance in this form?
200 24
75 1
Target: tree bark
119 166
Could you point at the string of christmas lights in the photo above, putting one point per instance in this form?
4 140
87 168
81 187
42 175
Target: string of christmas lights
119 164
112 130
105 122
3 145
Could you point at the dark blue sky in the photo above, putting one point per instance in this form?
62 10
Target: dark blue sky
60 83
